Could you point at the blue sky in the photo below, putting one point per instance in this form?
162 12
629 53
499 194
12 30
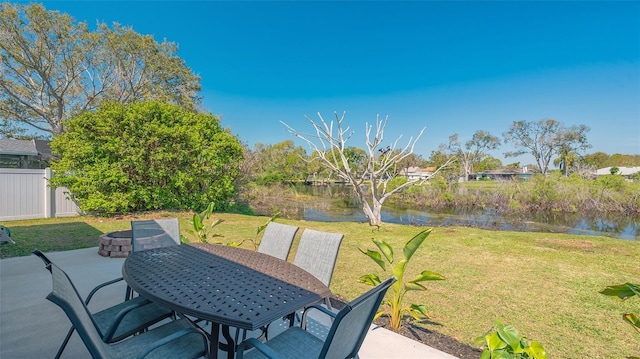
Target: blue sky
452 67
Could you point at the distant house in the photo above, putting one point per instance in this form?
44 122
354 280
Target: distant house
623 171
24 153
504 174
417 173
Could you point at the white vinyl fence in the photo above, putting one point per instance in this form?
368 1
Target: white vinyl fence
24 194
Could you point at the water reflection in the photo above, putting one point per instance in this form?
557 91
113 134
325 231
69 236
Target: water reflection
334 205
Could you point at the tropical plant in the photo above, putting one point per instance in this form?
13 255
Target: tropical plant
394 307
624 292
507 343
200 229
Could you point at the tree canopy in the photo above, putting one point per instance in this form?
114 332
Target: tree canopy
53 68
545 139
146 156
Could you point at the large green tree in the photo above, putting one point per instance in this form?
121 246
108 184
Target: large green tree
545 139
279 163
146 156
52 68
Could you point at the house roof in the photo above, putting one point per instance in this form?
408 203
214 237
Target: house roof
17 147
42 146
624 171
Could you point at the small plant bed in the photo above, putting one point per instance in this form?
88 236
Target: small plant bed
433 339
425 336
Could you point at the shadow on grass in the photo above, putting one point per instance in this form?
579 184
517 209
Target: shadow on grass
49 238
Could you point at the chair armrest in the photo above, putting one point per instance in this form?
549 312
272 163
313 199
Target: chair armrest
322 309
176 335
100 286
108 335
259 346
303 321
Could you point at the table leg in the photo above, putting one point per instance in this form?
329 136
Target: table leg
213 340
231 344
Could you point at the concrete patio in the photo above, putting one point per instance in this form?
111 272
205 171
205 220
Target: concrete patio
33 327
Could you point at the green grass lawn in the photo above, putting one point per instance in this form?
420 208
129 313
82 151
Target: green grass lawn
545 284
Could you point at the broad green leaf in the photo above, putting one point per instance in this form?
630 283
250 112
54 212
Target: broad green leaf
414 243
622 291
418 312
503 354
414 286
509 334
386 249
370 279
486 354
376 256
197 222
536 351
633 319
427 275
494 342
398 272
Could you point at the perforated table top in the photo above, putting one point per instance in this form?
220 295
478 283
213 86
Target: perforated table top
225 285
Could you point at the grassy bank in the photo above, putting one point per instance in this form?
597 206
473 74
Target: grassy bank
546 285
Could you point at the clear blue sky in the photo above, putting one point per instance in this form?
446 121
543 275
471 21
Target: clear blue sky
454 67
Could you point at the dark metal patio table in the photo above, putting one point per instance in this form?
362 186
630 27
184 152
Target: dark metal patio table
228 286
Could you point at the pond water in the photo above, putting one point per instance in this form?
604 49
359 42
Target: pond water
325 210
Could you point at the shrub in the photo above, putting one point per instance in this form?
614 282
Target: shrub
145 156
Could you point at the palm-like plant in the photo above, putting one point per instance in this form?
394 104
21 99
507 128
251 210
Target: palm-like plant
394 307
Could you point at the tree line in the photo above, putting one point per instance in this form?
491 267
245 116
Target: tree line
124 113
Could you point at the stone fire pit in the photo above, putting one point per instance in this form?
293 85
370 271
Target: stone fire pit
115 244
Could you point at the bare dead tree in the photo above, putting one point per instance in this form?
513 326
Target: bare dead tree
372 184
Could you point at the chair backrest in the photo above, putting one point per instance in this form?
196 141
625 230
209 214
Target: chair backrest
65 295
154 233
5 235
277 240
352 323
317 253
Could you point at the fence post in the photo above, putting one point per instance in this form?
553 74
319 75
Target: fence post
49 195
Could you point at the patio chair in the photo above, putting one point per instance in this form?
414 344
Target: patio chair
350 327
121 320
277 240
176 339
154 233
317 253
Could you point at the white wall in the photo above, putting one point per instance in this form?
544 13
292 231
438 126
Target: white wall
24 195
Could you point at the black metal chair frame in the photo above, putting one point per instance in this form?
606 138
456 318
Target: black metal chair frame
109 336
